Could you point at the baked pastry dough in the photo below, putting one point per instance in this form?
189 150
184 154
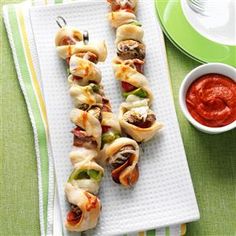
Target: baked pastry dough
89 206
98 48
120 5
82 95
85 69
68 36
65 40
77 45
129 31
119 18
139 134
87 122
82 154
87 173
72 80
123 155
124 72
110 120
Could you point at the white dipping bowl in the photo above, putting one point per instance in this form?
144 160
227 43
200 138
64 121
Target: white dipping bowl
217 68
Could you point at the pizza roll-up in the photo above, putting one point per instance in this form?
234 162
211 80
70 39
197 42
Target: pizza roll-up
126 5
85 209
69 41
137 119
66 39
129 32
123 156
135 116
121 17
120 152
132 81
86 174
85 97
94 51
88 129
83 71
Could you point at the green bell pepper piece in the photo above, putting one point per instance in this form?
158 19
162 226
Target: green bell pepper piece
95 87
85 174
109 137
68 71
137 92
137 23
94 174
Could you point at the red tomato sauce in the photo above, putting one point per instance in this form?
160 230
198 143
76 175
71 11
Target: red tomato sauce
211 100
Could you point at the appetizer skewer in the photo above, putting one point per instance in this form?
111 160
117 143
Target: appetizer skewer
83 183
136 118
97 132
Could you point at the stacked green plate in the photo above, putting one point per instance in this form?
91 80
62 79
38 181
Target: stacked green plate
187 39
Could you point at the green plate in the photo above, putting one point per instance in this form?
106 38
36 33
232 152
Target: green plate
187 39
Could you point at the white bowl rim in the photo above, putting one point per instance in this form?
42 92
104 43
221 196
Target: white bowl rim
182 101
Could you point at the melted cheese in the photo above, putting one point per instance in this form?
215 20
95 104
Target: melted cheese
83 95
133 101
83 68
89 185
141 111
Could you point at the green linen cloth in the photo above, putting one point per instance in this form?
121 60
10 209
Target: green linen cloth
212 163
212 158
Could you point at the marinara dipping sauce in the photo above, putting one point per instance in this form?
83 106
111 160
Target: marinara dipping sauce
211 100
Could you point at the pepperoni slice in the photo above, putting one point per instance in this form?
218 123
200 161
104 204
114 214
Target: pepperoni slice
105 128
73 218
127 87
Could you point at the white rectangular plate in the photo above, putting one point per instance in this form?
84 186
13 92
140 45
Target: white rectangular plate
164 194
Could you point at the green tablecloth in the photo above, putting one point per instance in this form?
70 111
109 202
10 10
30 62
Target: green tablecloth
212 159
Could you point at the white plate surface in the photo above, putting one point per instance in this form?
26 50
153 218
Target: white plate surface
164 194
219 22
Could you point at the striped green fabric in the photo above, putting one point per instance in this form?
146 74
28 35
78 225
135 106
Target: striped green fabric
167 231
33 105
58 1
151 233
